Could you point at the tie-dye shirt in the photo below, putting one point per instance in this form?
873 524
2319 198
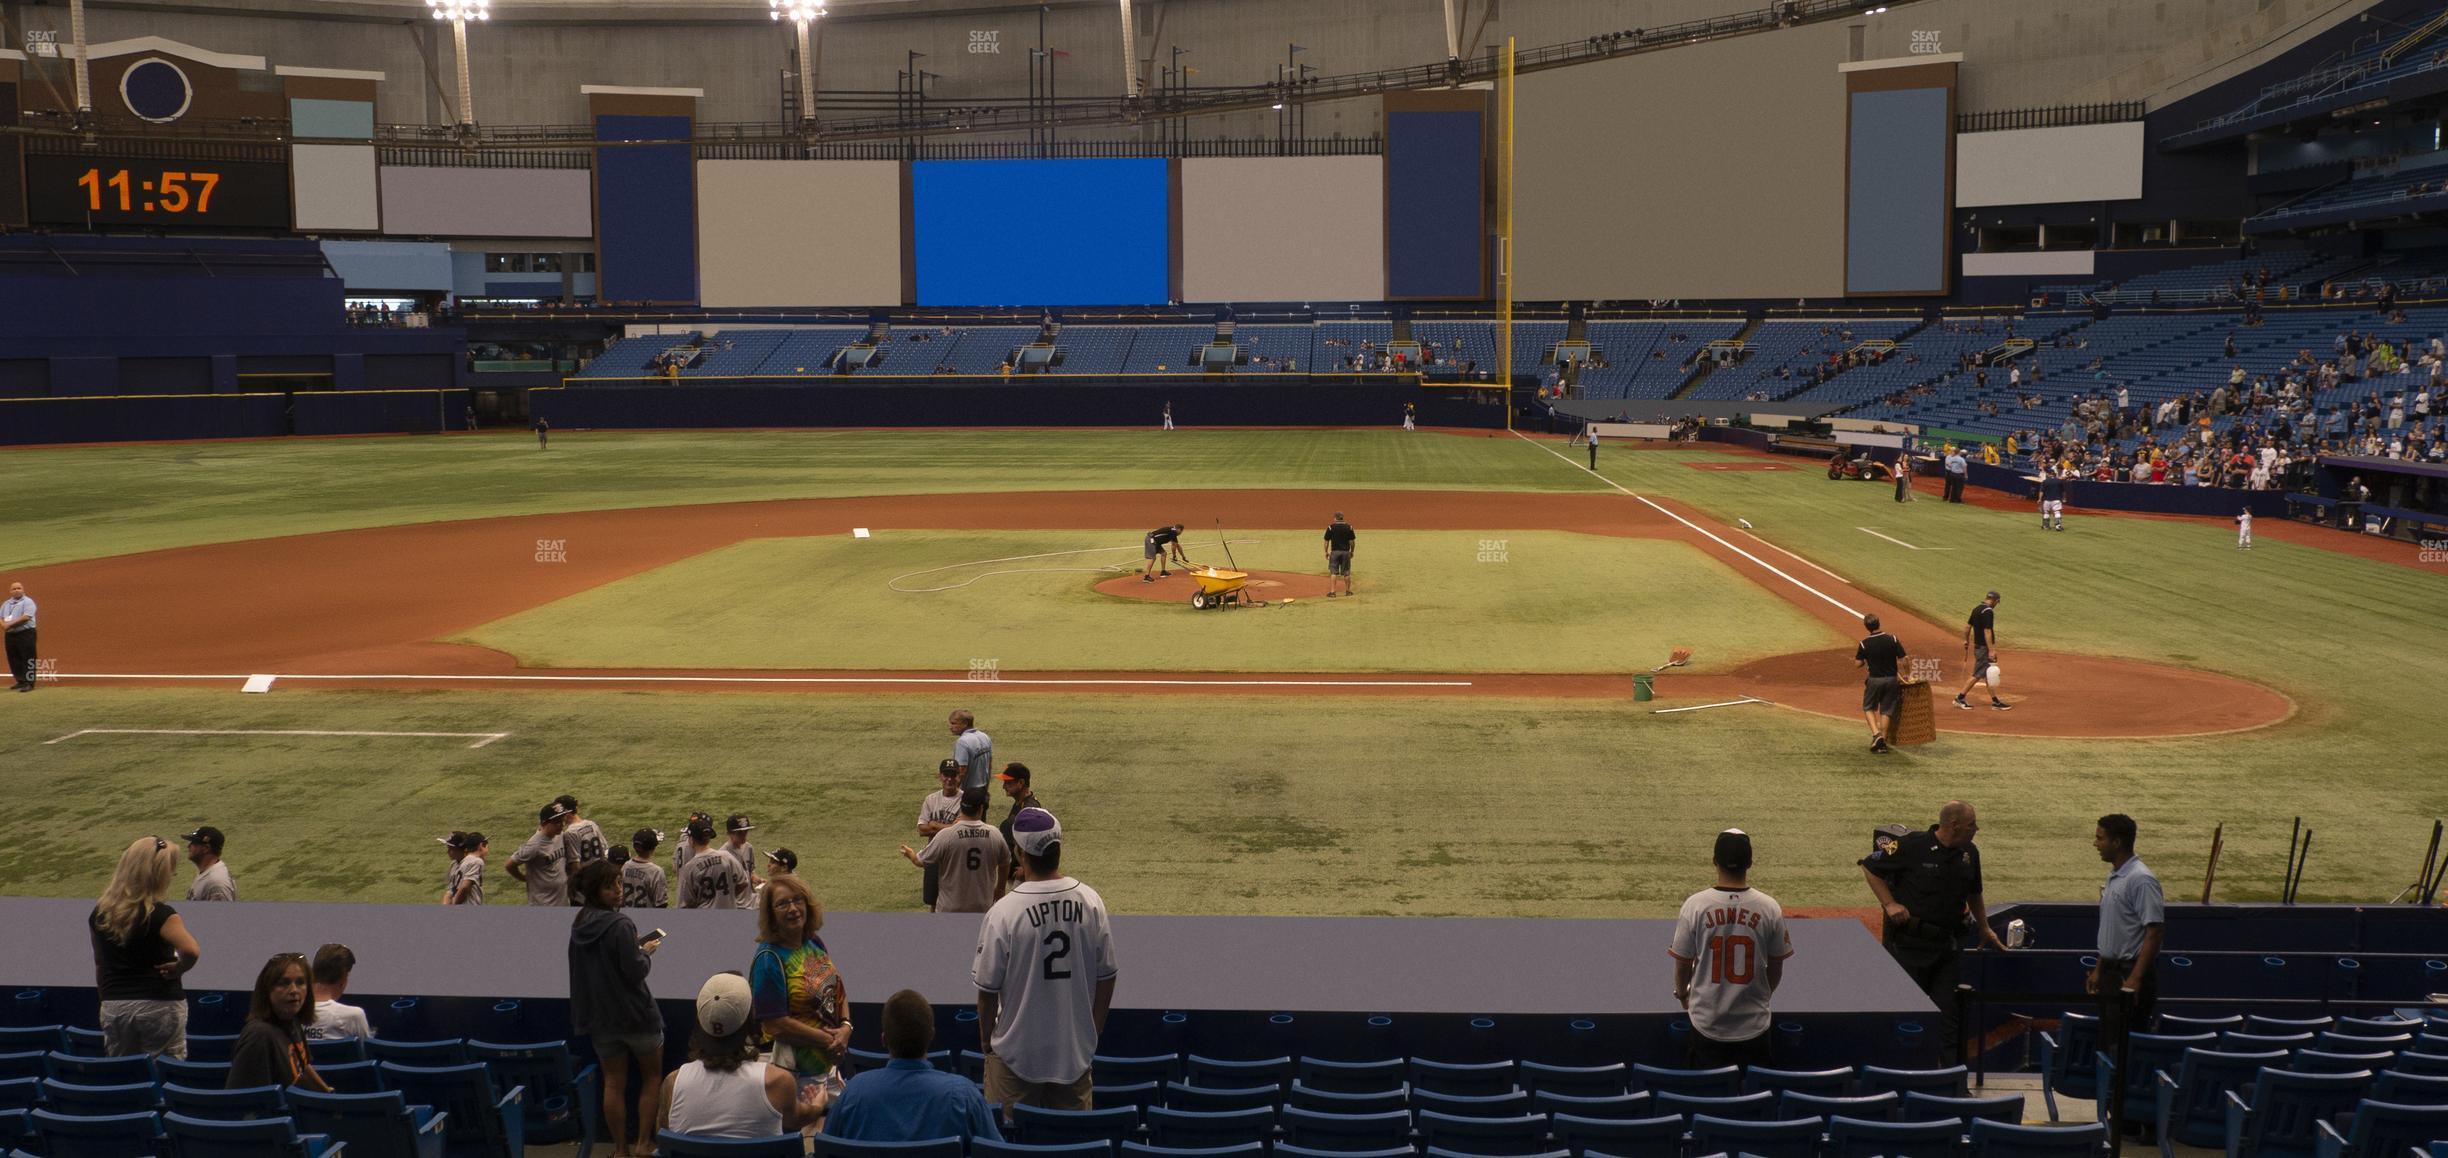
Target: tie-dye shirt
798 983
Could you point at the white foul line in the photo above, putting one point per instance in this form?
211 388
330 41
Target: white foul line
1797 558
1765 565
1899 542
929 680
1705 707
481 738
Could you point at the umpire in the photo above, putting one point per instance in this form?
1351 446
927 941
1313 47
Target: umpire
1929 886
17 618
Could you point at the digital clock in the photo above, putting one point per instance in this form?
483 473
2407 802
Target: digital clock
65 189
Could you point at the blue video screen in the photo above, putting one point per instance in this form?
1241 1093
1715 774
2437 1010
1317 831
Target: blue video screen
1021 233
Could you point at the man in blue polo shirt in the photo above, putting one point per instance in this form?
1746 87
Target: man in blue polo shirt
2132 919
909 1100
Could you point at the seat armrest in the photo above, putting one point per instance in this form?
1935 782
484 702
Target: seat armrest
2327 1140
2239 1120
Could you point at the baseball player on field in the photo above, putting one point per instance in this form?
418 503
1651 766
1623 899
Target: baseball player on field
1980 638
2244 530
2052 500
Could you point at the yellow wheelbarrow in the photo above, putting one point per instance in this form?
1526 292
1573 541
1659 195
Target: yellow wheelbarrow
1221 588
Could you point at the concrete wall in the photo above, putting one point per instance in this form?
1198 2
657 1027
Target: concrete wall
531 58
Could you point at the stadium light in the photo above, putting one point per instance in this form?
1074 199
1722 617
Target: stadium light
459 12
802 13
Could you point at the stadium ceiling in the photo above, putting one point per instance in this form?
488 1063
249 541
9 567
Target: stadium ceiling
580 11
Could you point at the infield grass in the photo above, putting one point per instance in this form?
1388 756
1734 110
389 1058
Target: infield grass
1469 601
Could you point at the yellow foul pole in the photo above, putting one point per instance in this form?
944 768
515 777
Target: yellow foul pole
1504 241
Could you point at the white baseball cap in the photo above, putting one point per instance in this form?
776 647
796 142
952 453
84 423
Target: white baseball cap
1035 830
722 1004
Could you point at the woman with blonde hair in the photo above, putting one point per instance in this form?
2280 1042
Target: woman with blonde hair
141 948
796 992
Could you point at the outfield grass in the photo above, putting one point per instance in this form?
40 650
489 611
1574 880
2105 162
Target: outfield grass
1473 601
86 502
1232 804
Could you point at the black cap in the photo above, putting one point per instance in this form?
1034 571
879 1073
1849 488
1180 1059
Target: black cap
1733 852
455 841
949 768
552 812
973 799
646 837
471 839
1014 771
785 858
701 828
207 836
739 822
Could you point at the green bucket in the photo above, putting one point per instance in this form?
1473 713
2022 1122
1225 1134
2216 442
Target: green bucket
1641 690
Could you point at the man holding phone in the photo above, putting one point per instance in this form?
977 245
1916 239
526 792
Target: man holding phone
609 1000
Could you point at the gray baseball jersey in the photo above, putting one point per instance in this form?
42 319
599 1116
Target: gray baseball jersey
214 884
746 854
712 882
643 886
543 861
973 859
581 842
469 870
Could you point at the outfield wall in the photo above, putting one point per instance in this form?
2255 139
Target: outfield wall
167 417
1072 402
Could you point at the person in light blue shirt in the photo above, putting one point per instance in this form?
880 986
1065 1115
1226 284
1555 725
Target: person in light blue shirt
909 1100
2132 919
972 749
17 621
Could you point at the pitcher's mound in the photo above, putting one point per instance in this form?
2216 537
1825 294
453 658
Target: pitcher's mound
1268 585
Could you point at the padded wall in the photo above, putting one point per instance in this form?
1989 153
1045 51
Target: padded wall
799 233
421 201
2049 166
645 211
1435 198
1712 171
1069 232
12 160
1274 229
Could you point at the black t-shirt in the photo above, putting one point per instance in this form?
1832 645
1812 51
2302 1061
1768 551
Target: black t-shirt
1161 536
1932 882
1339 537
267 1054
1881 652
126 972
2052 488
1012 814
1984 621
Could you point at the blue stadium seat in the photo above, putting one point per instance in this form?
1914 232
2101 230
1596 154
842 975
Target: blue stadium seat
259 1138
1183 1129
1920 1107
2145 1055
1616 1107
1471 1080
484 1122
1472 1106
1239 1150
20 1093
25 1063
1201 1099
2339 1041
17 1128
1576 1081
1349 1102
1162 1067
1520 1135
829 1146
449 1051
375 1125
1759 1107
1038 1126
334 1050
101 1101
1217 1073
858 1061
64 1135
1350 1077
37 1038
2234 1042
2315 1061
1795 1138
2256 1023
1866 1138
2000 1140
695 1146
2382 1130
2192 1095
1288 1150
84 1042
211 1047
1658 1137
1859 1107
969 1064
2427 1064
2275 1118
1723 1081
1136 1095
1439 1152
101 1071
2175 1023
224 1105
363 1077
1829 1082
2405 1089
1345 1132
1948 1082
988 1148
562 1098
2069 1061
194 1075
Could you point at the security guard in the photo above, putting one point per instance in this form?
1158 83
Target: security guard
17 616
1926 883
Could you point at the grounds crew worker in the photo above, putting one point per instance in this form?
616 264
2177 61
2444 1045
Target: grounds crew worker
18 616
1927 883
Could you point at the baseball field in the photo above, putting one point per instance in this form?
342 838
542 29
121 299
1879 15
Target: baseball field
777 623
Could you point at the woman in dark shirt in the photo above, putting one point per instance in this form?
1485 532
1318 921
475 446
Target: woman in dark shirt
140 949
271 1050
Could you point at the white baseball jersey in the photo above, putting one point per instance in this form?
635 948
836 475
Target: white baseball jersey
938 808
1730 935
1042 949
